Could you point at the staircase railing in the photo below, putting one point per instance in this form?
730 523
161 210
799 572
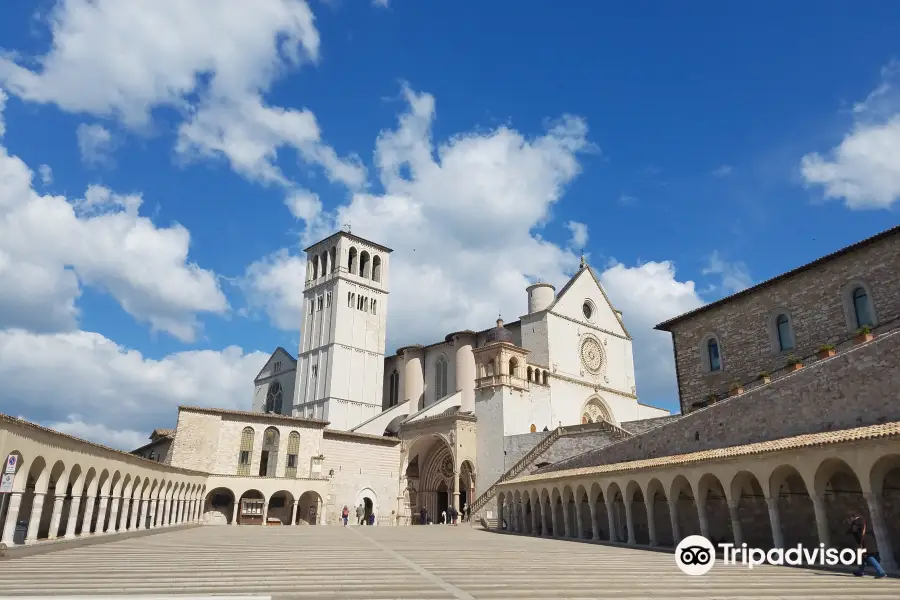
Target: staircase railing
517 468
539 449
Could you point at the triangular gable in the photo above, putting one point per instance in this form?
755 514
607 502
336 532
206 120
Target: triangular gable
560 303
279 354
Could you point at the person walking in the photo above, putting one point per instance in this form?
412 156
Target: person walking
443 517
465 512
345 515
360 515
372 518
423 516
865 541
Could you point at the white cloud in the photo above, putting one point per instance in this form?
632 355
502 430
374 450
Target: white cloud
626 200
647 295
734 275
380 3
50 246
214 61
95 143
2 108
723 171
579 237
46 174
114 395
463 218
864 169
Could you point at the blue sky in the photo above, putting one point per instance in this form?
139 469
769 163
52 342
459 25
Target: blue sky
155 259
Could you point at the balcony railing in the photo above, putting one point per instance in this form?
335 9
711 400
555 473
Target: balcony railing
502 379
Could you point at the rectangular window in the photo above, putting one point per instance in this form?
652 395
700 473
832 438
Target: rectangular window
365 305
373 307
311 306
319 303
327 299
315 370
277 366
350 299
245 458
292 461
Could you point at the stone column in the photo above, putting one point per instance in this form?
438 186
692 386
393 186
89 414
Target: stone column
673 516
736 524
72 521
465 370
87 525
821 519
294 513
701 516
12 515
234 513
456 491
152 511
131 519
101 514
57 516
413 375
595 526
34 521
165 512
577 529
651 521
554 518
265 511
143 512
611 519
113 515
876 514
534 518
629 520
775 521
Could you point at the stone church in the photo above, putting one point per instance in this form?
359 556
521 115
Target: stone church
466 408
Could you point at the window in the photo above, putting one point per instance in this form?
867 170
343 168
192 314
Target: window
274 398
546 378
152 455
394 388
319 301
374 312
315 370
351 261
440 378
862 309
312 305
268 459
513 367
277 367
247 436
293 450
376 268
364 264
333 261
712 352
324 260
588 309
365 305
327 299
783 330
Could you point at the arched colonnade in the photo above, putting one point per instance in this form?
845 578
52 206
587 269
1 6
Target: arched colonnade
778 499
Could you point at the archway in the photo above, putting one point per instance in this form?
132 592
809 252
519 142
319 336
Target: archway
639 517
662 518
252 508
619 521
885 482
753 511
600 514
369 501
281 505
595 410
712 497
585 525
309 509
798 513
687 515
838 485
429 467
443 502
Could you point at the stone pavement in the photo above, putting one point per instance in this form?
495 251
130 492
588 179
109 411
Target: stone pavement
436 562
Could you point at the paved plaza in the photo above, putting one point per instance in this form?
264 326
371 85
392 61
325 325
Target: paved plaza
434 562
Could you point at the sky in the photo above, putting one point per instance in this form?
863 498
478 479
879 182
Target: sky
163 164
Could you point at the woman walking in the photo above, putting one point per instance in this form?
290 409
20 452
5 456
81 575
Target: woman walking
345 514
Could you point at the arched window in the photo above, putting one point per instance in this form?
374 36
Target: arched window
712 353
546 379
440 378
333 261
309 270
324 260
351 260
376 268
274 398
268 459
293 450
246 451
490 368
394 388
364 264
783 330
513 367
862 309
315 262
531 374
374 307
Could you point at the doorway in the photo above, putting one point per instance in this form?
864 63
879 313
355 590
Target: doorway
443 501
368 508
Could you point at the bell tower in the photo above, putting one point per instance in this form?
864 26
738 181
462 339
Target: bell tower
340 365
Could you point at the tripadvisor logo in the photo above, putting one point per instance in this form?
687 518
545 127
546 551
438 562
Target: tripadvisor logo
696 555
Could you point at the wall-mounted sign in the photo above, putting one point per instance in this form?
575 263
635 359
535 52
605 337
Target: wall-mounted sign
11 461
6 483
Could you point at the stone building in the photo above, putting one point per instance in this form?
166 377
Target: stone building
759 331
772 461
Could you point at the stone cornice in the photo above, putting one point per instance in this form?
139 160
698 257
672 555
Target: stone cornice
257 416
318 348
589 326
594 386
437 419
362 437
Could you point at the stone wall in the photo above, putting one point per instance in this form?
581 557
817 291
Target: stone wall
815 301
644 425
196 441
361 467
858 387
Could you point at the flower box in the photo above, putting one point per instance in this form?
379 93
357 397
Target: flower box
735 391
765 379
862 338
824 353
794 367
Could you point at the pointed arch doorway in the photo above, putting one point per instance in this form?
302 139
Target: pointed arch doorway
443 500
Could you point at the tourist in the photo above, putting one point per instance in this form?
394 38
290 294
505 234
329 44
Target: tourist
465 512
443 517
345 515
454 514
423 516
864 540
360 515
372 518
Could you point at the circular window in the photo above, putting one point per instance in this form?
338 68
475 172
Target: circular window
588 310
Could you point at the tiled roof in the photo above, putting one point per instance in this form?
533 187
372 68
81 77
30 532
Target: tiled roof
259 416
163 433
664 326
882 430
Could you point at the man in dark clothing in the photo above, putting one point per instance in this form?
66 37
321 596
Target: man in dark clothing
866 541
423 517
